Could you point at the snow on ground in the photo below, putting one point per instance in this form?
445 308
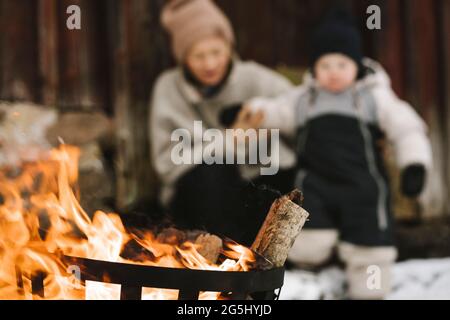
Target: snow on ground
413 279
422 279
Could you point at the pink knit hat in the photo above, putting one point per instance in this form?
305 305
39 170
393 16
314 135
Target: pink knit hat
191 20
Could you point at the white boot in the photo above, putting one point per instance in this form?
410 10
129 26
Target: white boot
368 270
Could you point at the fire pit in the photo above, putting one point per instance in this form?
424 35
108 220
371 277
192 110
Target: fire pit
259 284
45 235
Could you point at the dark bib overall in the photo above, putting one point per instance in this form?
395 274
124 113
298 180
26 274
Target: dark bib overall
340 168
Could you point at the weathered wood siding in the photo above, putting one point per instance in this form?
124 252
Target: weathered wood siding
112 62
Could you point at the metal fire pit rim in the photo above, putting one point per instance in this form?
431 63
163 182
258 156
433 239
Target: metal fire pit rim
178 278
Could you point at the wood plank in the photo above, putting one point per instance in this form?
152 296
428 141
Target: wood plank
389 43
289 45
126 189
255 29
98 49
444 12
18 57
424 28
48 51
424 70
70 45
137 65
81 82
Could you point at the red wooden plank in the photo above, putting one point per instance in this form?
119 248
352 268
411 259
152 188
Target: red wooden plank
48 50
444 10
137 64
69 58
424 30
255 27
81 81
390 44
18 56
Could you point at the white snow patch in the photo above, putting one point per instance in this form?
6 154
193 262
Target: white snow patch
413 279
421 279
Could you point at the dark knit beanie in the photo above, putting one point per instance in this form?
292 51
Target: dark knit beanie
337 33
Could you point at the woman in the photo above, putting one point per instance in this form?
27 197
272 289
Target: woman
209 85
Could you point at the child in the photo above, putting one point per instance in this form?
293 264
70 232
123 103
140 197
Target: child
337 116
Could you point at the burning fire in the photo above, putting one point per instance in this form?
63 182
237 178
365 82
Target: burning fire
41 219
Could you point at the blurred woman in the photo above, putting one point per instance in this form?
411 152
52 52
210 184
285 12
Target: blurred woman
209 84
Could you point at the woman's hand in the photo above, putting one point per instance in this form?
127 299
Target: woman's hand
248 119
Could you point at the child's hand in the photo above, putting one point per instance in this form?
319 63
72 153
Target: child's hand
247 119
413 180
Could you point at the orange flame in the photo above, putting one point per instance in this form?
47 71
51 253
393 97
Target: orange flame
41 219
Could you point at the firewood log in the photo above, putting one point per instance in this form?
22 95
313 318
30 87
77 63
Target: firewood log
210 246
171 236
281 227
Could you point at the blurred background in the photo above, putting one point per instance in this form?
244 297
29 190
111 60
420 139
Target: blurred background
99 80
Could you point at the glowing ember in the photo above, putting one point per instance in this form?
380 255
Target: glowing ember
41 219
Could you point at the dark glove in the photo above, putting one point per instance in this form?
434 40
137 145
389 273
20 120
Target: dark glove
229 114
413 180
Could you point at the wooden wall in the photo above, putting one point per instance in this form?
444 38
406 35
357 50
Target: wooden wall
112 62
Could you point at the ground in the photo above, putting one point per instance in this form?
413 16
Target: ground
412 279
